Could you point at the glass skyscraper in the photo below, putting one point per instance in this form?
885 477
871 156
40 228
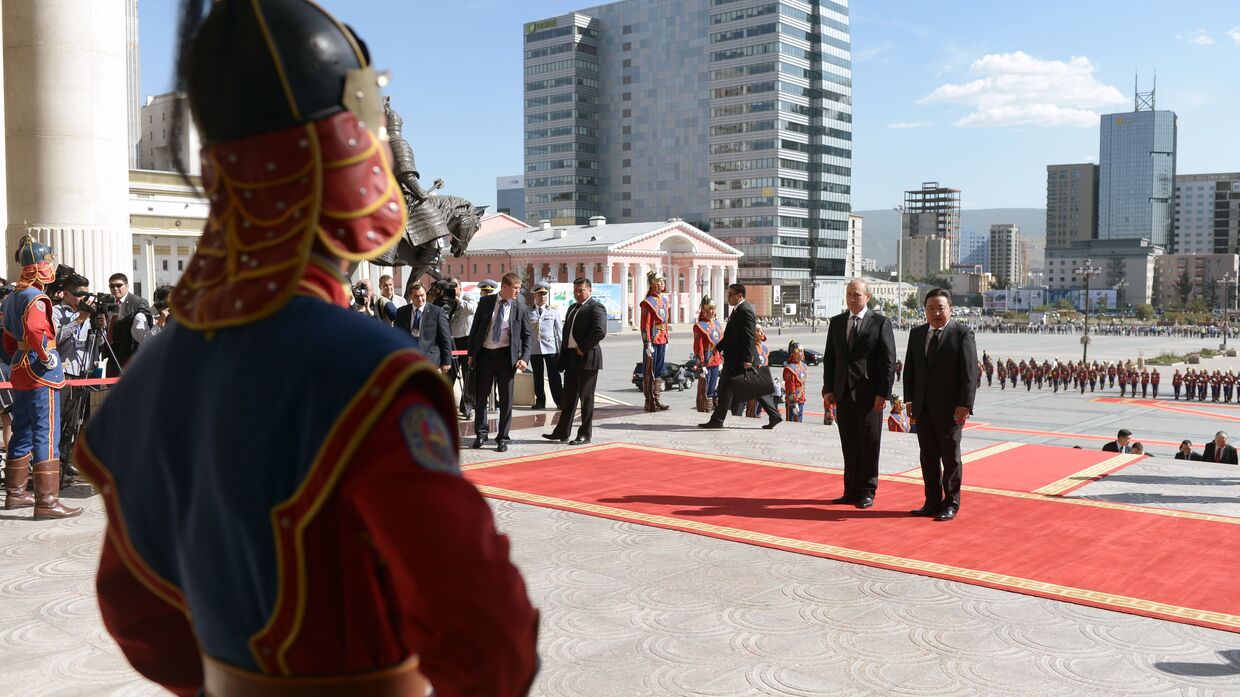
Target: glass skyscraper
735 115
1136 176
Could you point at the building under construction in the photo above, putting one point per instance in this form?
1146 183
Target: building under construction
930 227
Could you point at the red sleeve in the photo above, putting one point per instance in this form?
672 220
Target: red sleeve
10 344
155 637
463 603
647 322
37 327
699 345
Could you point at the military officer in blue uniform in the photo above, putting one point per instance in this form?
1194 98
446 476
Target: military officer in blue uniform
545 328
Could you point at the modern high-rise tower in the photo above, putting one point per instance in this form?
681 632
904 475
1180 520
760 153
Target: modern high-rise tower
1136 174
734 115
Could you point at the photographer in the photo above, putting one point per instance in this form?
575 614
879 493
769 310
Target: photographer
74 316
161 313
367 302
460 310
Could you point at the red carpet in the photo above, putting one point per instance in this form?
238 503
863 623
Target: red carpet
1166 564
1041 469
1202 409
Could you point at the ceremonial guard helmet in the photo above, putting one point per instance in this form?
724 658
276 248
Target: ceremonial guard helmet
36 260
653 276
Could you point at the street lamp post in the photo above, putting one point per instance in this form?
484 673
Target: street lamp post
1086 271
1229 279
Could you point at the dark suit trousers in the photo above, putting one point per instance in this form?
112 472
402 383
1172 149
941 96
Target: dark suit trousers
545 364
861 432
941 467
494 367
579 385
724 394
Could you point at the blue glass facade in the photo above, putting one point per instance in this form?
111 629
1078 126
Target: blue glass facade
1136 176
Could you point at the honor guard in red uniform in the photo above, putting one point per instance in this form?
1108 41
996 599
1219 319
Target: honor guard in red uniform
1229 384
899 366
1002 371
1203 380
1111 375
1123 381
1093 377
286 515
1190 385
706 335
989 366
795 376
1145 383
37 377
1216 386
1154 378
1177 381
656 312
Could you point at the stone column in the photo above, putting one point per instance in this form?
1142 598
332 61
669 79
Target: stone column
624 292
716 280
695 294
607 269
66 133
587 270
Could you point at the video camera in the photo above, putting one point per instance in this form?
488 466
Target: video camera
360 294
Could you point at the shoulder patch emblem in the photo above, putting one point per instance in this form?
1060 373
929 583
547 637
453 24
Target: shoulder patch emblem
428 439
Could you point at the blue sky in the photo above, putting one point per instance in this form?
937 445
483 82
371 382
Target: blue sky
977 95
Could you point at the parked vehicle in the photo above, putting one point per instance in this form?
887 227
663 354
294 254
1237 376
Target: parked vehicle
780 356
676 376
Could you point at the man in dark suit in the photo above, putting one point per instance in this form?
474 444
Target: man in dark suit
1219 451
1186 451
940 383
129 325
580 359
1121 444
859 369
428 324
499 346
740 353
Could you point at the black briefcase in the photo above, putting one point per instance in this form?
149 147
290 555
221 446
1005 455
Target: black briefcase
751 384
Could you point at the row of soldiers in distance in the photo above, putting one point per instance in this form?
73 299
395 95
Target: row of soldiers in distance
1194 384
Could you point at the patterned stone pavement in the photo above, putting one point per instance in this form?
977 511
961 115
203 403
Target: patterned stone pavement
632 611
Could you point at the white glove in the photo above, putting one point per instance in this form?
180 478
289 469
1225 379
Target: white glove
649 350
51 362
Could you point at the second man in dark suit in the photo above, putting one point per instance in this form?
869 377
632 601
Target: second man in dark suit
940 383
740 353
499 346
428 325
585 327
1219 451
859 368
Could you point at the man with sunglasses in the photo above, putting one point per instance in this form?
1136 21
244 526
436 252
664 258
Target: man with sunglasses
127 329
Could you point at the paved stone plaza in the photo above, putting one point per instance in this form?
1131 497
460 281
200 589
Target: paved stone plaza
632 610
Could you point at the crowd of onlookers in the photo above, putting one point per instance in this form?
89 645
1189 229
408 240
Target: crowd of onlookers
1157 331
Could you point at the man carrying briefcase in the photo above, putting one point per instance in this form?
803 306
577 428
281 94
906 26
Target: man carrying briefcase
741 379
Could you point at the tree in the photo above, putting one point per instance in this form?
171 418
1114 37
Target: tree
873 304
1145 312
1198 305
1209 292
911 301
1065 305
1184 288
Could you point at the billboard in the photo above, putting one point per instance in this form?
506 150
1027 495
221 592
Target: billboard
1018 299
610 294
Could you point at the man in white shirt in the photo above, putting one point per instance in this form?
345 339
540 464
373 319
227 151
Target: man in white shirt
72 317
387 289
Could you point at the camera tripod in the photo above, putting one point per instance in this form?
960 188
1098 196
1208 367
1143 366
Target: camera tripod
77 399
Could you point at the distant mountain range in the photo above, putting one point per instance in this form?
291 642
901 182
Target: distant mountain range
881 231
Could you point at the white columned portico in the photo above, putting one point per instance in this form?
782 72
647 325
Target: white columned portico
624 289
607 270
66 133
695 294
716 280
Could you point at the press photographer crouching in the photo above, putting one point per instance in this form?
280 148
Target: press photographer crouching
446 293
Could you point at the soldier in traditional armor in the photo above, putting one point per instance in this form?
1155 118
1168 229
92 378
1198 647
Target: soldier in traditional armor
37 377
795 375
656 314
706 335
1154 379
264 462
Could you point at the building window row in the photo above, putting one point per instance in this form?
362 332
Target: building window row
564 180
744 51
561 98
743 33
743 165
743 70
541 133
740 184
747 202
822 131
742 127
587 65
740 90
742 146
565 81
746 13
561 196
583 114
560 164
742 109
742 222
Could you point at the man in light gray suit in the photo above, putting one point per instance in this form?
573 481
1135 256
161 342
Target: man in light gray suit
545 328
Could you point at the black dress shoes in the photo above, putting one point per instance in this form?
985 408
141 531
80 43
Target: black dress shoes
579 441
710 424
552 436
946 514
866 502
775 421
478 441
924 512
501 446
845 499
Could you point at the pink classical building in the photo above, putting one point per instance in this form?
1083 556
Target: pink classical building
693 262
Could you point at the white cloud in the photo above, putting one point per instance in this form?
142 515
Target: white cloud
911 124
1234 34
1016 89
1201 38
870 53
